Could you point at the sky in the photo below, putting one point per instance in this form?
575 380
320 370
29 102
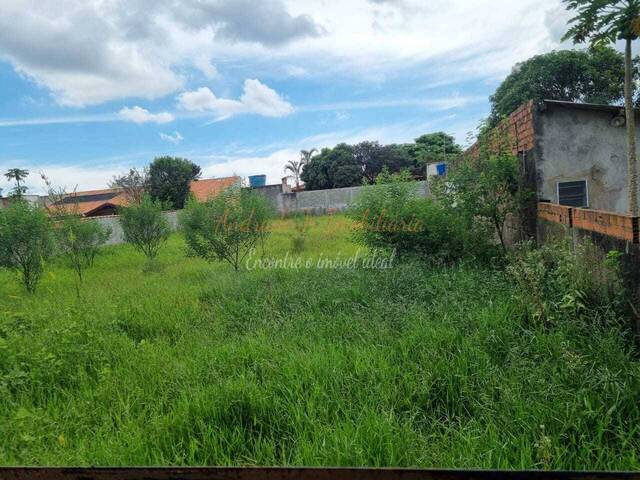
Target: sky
91 88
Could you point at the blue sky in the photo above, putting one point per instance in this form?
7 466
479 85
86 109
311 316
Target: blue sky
90 88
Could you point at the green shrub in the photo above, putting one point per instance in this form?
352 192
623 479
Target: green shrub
226 227
25 241
79 240
144 226
557 281
485 186
393 216
300 232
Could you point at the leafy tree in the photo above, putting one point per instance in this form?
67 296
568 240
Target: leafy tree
434 147
144 226
132 183
227 227
169 180
373 158
333 168
25 241
602 22
352 165
18 175
595 75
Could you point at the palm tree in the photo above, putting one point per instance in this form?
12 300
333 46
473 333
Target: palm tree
603 22
296 167
18 175
305 155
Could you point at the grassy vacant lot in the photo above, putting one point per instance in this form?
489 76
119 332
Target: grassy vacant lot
195 364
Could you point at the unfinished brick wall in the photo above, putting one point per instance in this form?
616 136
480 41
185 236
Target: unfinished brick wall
518 126
615 225
555 213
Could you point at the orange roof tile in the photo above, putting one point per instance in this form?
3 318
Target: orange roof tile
202 190
205 189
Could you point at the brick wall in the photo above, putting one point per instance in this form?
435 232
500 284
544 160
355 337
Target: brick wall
615 225
519 126
555 213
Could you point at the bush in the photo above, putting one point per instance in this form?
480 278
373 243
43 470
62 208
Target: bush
485 187
144 226
300 232
392 216
559 280
226 227
25 241
79 240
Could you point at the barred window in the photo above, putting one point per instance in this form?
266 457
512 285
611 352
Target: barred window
573 194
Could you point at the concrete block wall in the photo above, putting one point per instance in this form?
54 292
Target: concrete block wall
322 201
117 235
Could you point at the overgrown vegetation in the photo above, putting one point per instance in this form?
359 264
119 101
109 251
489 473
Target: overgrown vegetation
421 366
227 227
145 227
565 282
484 187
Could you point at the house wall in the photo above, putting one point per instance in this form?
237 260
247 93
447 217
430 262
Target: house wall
574 144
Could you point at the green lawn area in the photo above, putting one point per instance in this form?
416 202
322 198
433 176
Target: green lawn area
195 364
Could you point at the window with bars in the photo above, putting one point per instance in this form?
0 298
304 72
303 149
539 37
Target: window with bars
573 194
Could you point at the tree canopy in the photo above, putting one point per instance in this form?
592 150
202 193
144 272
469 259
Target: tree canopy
352 165
169 178
595 76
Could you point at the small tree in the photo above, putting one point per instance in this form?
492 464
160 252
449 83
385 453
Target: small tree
132 183
144 226
226 227
485 185
77 239
18 175
25 241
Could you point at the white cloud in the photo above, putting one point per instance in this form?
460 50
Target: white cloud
92 51
256 98
176 138
142 115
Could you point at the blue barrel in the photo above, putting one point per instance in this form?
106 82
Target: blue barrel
257 181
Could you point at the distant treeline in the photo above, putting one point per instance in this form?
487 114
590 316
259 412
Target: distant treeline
351 165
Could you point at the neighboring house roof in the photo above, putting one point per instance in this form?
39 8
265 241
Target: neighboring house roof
90 202
205 189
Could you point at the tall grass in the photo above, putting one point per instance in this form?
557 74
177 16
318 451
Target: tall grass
198 365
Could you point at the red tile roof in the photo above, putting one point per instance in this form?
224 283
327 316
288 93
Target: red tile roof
205 189
86 206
